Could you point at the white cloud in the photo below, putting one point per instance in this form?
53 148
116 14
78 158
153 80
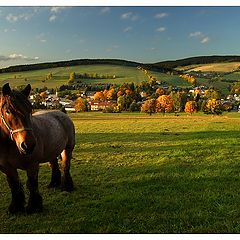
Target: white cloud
127 29
52 18
161 29
126 15
129 16
16 56
200 36
57 9
105 10
161 15
14 18
196 34
205 40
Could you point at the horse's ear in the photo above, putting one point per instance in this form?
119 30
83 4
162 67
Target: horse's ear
26 91
6 90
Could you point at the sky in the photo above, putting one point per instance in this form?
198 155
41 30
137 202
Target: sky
144 34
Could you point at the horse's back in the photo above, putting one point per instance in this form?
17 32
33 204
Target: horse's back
54 130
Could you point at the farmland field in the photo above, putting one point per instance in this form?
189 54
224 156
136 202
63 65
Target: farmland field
61 76
136 173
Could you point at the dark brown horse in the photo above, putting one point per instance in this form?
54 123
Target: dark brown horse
28 139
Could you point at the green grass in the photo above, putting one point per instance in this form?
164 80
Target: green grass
61 76
136 173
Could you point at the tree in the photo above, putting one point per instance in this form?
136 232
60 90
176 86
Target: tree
80 105
213 106
164 104
149 106
121 102
99 96
212 94
72 77
191 107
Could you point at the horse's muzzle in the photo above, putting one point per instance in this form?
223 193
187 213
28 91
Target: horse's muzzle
27 148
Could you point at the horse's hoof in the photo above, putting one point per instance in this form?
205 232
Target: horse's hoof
53 184
14 208
31 210
34 204
67 184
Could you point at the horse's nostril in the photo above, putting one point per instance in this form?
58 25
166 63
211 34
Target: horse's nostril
27 148
24 146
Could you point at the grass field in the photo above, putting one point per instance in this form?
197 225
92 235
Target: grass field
212 67
139 174
61 76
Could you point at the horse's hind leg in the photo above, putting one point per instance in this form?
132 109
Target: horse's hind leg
18 198
56 174
35 199
67 183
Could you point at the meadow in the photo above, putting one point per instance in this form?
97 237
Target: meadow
136 173
123 74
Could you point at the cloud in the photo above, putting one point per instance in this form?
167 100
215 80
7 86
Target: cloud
9 30
15 18
161 15
127 29
57 10
129 16
196 34
105 10
200 36
52 18
161 29
15 56
205 40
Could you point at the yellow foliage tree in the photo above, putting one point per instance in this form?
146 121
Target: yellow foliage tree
191 107
164 104
80 105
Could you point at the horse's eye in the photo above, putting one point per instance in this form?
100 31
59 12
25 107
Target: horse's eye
8 112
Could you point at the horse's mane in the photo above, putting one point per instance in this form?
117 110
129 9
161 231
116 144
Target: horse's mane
18 102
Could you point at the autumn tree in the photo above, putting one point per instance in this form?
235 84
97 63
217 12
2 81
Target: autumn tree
121 102
212 94
149 106
80 105
99 96
213 106
164 104
160 91
191 107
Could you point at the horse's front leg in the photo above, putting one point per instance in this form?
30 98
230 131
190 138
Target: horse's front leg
18 198
35 199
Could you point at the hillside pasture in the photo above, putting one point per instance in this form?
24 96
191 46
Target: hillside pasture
123 74
136 173
212 67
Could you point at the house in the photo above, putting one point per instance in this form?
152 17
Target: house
97 105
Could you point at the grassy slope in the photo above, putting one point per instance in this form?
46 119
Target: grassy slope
61 76
139 174
214 67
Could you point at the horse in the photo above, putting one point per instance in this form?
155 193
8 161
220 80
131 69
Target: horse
28 139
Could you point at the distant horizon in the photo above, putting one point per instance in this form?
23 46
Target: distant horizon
145 34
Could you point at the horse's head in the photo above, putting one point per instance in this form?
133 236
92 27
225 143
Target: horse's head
16 113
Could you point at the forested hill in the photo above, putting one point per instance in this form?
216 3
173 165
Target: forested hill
194 60
159 66
77 62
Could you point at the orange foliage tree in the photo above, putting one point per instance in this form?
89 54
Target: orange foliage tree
149 106
164 104
99 96
80 105
190 107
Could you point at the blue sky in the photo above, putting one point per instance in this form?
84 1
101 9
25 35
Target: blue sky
143 34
